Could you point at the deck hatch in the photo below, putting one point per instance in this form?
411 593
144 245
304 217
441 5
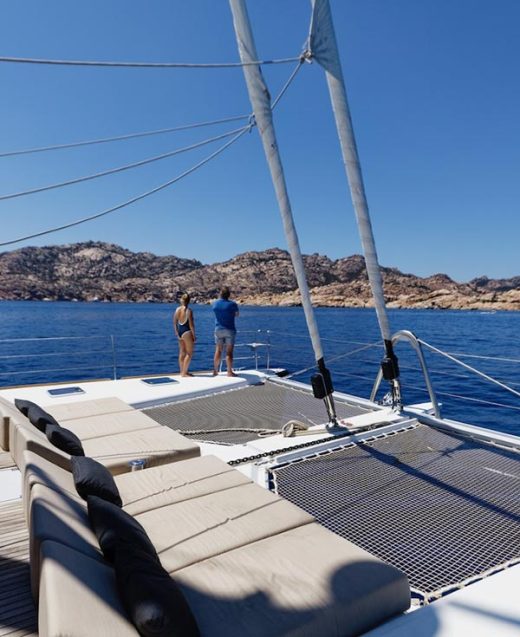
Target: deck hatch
248 409
441 508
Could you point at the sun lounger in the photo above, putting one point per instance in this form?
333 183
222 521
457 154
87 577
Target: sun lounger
231 549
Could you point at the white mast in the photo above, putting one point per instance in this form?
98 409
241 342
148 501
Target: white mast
261 103
324 50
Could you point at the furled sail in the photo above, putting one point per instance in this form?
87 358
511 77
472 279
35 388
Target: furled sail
324 50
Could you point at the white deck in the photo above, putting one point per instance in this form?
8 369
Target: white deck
488 608
134 392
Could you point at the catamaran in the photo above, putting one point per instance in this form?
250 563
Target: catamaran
160 505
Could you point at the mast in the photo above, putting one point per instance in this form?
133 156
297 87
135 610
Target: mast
261 103
324 50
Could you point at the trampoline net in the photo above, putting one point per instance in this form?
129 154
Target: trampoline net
245 411
443 509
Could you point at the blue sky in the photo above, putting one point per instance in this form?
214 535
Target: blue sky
435 99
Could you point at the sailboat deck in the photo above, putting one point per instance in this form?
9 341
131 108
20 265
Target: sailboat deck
18 616
442 508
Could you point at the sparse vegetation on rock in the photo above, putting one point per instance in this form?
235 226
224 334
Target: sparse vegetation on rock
95 271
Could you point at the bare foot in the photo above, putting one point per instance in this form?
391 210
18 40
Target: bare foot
231 374
215 373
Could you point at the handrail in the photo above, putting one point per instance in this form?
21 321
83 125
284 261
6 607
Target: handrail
416 344
112 353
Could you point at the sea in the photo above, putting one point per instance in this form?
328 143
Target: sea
47 342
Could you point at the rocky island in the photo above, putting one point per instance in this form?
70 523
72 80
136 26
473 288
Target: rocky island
96 271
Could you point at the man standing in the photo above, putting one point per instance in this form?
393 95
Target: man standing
225 331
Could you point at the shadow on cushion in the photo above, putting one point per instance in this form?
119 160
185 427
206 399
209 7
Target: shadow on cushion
152 599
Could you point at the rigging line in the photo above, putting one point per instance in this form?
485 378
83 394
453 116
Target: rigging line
249 127
119 169
334 358
288 83
440 372
105 140
155 65
134 199
468 398
485 358
472 369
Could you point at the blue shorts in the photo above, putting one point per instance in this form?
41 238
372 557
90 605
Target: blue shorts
224 337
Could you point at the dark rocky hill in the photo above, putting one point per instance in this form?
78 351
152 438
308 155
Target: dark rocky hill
106 272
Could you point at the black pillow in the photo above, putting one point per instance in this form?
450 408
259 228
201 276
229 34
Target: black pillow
150 596
92 478
110 524
36 415
64 439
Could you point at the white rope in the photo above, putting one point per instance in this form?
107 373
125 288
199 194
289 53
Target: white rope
120 169
468 367
134 199
118 138
144 65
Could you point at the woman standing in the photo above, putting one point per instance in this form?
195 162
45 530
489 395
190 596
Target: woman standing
184 327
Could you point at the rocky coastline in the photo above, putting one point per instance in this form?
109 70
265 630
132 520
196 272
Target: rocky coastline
96 271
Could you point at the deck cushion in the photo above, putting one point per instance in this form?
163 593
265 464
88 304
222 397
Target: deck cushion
303 582
64 439
111 525
155 487
87 408
92 478
25 437
62 518
36 415
197 529
110 424
152 599
156 446
142 491
79 596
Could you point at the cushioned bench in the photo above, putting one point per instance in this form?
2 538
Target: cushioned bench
141 491
247 561
114 439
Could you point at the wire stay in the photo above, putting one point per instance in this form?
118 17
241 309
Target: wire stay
133 199
117 138
119 169
144 65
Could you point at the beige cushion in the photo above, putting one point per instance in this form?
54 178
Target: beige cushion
9 416
62 518
86 408
157 446
304 582
109 424
155 487
38 470
78 597
142 491
25 437
197 529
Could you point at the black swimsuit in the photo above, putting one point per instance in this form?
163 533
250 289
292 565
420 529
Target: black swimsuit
182 328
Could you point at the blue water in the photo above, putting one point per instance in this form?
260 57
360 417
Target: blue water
144 343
